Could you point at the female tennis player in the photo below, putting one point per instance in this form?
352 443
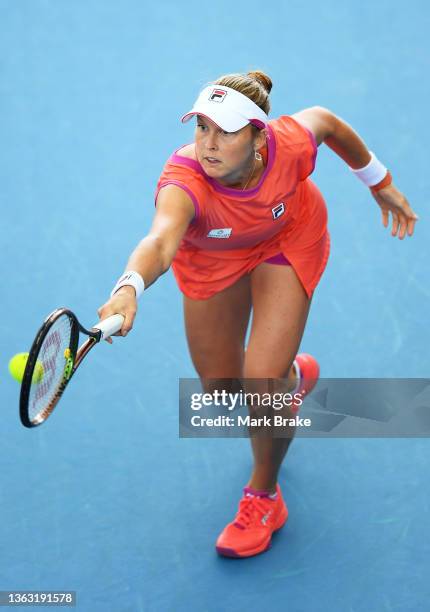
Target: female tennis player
245 229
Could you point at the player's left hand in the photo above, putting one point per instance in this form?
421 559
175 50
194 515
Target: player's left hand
390 199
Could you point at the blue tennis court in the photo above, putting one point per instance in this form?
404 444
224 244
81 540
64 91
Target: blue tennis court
105 499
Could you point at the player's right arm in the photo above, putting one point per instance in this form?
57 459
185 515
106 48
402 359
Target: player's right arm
154 254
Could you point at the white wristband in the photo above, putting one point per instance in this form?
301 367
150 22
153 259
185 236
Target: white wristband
133 279
373 173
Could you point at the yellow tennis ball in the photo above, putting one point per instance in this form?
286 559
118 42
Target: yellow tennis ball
17 366
38 372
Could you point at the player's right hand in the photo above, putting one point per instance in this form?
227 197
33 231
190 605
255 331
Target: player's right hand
122 302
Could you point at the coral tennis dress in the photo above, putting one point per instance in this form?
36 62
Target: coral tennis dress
234 231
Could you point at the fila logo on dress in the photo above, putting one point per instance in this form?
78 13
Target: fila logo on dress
217 95
224 232
278 210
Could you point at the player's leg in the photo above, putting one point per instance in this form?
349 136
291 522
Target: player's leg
216 330
280 311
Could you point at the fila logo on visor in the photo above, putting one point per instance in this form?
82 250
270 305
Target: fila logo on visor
217 95
224 232
278 210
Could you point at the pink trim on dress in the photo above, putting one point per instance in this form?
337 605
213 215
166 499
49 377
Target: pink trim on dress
315 146
187 190
195 165
278 259
313 140
186 161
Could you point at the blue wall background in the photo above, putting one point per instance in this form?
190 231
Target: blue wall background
105 499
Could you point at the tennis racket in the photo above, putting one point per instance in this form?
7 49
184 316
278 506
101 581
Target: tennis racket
53 359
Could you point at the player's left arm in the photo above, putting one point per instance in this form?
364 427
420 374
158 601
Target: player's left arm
345 142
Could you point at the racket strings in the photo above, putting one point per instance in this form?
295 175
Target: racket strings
53 368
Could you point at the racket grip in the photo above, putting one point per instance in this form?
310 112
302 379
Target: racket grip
110 325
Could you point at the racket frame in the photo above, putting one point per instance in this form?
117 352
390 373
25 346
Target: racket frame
94 336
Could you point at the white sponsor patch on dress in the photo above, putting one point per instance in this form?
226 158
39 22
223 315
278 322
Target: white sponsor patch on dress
224 232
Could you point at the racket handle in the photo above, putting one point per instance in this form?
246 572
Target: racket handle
110 325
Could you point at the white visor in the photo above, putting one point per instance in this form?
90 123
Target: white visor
228 108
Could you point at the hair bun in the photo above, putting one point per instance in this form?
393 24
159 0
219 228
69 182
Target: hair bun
262 78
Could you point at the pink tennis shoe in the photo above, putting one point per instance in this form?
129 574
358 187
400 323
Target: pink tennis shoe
258 517
261 514
308 372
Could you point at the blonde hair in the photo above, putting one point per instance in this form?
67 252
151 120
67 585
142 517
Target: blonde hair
256 85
